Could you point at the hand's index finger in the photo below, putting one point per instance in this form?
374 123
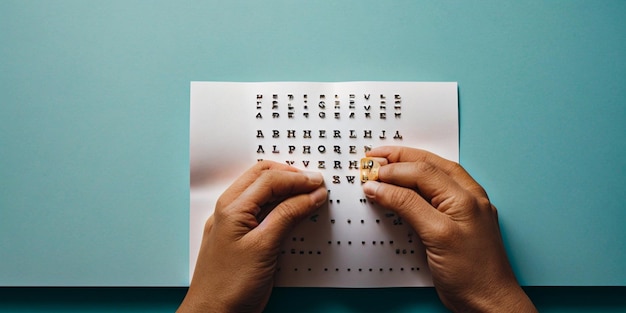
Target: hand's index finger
249 176
430 182
395 154
273 186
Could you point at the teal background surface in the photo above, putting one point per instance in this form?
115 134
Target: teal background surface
94 118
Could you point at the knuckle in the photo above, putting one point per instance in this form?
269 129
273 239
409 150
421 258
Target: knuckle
475 206
220 203
220 213
492 209
267 179
264 165
485 204
266 176
467 202
208 225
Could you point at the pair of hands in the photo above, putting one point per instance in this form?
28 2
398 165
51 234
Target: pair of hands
449 211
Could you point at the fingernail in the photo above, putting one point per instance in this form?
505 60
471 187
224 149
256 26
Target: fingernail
319 196
370 187
314 177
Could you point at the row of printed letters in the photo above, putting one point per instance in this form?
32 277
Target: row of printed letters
337 115
352 165
322 133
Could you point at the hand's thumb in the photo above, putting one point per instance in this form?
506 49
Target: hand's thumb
408 204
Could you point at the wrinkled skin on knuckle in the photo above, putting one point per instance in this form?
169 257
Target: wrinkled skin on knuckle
478 189
467 203
443 200
457 205
469 206
483 209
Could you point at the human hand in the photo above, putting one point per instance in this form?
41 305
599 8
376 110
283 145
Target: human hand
241 240
458 225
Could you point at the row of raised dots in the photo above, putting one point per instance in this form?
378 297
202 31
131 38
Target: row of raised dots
380 269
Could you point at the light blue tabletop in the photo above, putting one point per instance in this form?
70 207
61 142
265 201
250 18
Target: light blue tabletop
94 120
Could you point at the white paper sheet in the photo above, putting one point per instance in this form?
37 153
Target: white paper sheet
349 242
